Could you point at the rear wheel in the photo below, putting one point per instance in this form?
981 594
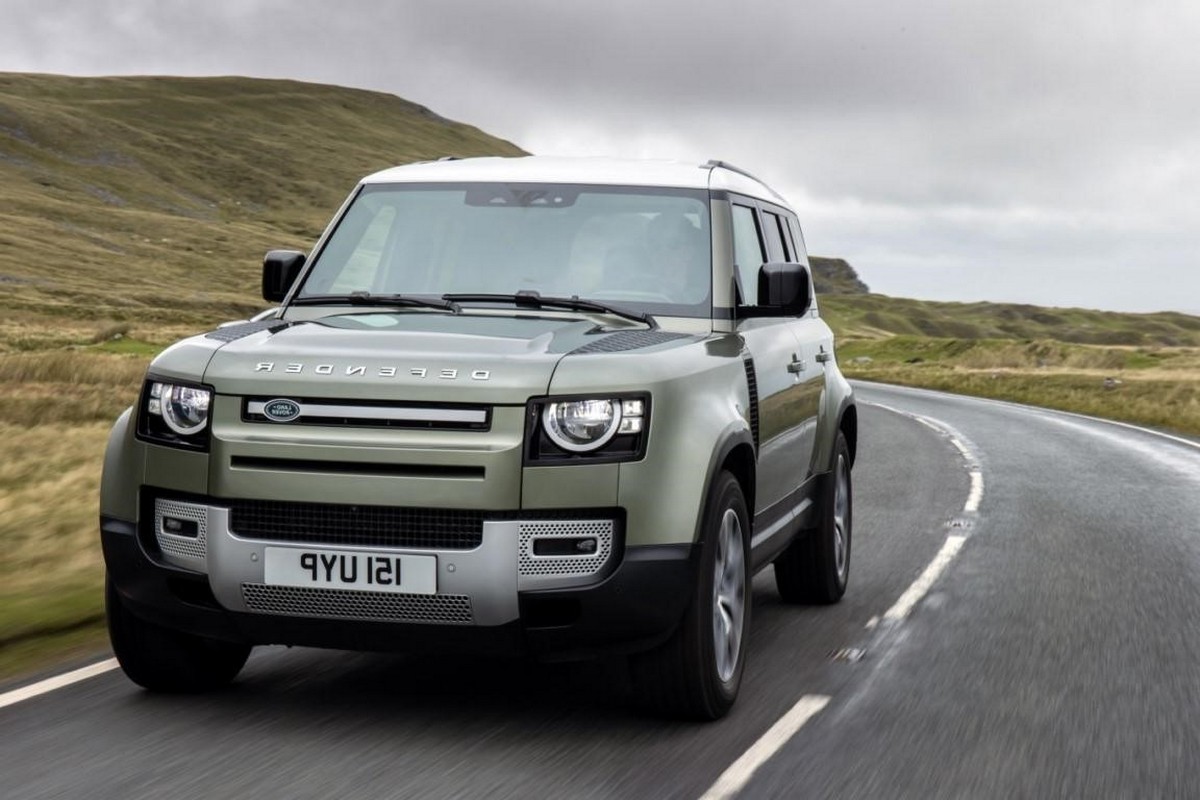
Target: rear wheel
164 660
696 674
816 567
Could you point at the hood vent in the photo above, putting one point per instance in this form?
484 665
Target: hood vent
231 333
628 340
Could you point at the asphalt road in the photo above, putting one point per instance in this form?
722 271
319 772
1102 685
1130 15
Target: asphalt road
1055 656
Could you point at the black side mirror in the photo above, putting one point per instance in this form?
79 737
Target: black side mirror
280 268
783 289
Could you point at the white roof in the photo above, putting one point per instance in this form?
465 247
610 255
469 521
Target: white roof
551 169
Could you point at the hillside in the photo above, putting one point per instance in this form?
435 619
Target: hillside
118 190
835 276
136 211
872 316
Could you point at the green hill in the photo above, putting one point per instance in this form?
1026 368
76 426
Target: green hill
144 198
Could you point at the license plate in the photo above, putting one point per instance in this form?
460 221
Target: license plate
350 569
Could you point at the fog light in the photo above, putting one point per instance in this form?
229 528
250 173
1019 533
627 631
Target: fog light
181 527
566 546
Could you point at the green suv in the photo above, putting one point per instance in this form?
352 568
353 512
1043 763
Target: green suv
555 407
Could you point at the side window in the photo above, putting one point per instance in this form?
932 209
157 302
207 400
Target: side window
747 252
798 248
774 235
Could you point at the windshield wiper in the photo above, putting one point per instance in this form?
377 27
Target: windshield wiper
368 299
534 299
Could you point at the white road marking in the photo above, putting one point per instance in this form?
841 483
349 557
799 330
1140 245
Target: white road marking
976 495
920 587
56 682
1023 407
913 594
734 779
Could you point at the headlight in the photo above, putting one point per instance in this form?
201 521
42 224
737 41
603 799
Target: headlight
175 414
600 427
581 425
183 408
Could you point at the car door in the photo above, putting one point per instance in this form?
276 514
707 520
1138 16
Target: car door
774 359
814 339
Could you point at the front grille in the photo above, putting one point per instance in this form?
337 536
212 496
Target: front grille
367 413
296 601
371 526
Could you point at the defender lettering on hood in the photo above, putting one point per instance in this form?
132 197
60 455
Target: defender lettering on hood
449 374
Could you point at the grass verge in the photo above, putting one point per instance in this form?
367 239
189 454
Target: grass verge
1154 386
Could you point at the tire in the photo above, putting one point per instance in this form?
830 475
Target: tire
815 568
162 660
696 673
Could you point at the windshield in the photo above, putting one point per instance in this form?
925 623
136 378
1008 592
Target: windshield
643 248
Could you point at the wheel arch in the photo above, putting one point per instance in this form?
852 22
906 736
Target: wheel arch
734 454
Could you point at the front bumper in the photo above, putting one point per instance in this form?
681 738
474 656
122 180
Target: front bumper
633 599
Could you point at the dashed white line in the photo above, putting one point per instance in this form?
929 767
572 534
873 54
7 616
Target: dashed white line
57 682
921 586
734 779
976 495
913 594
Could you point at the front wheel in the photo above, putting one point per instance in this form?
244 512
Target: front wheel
696 674
816 567
165 660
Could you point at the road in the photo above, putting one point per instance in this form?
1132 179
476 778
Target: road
1023 620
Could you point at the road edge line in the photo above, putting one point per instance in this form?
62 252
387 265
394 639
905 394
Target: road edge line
1026 407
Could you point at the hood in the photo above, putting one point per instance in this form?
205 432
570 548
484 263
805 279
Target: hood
411 356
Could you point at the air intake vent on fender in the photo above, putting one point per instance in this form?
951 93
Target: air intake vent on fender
752 384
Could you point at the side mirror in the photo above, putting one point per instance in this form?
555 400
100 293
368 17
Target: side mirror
783 289
280 268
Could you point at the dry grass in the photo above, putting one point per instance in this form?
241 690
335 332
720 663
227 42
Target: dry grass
56 408
1150 397
67 387
50 565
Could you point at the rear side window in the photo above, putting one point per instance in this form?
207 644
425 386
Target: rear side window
747 253
798 248
776 250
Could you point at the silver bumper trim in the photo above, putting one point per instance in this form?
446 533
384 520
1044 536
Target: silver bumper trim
293 601
478 586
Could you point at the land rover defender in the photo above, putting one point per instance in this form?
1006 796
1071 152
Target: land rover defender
534 406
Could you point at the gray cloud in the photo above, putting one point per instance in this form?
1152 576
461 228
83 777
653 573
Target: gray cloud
957 149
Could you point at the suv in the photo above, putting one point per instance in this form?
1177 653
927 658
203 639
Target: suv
509 405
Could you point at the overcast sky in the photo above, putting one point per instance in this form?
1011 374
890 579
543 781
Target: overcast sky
1043 151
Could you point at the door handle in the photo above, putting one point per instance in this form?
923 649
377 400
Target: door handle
797 364
824 357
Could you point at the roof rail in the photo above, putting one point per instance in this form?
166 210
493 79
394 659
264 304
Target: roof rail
713 163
